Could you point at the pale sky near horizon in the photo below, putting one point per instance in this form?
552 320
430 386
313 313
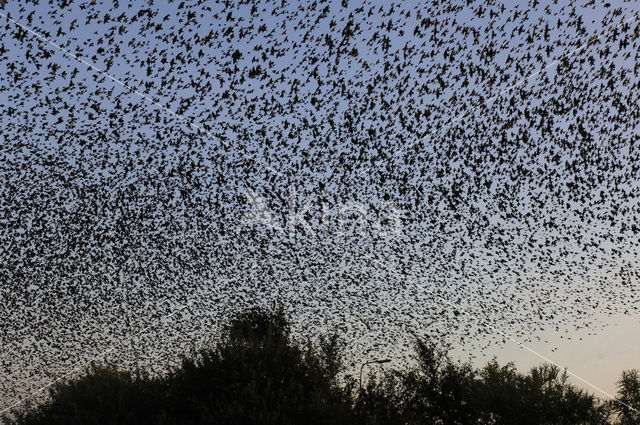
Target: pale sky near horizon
598 357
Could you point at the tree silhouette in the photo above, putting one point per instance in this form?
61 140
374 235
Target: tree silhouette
629 394
257 373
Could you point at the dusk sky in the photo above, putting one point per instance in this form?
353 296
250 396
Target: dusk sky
465 170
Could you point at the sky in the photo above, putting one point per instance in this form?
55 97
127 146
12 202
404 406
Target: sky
597 357
465 171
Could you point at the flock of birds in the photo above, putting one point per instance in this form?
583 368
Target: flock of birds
163 164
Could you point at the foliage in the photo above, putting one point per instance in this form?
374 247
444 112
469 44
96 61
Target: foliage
258 374
629 394
104 395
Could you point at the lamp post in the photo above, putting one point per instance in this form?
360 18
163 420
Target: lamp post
380 361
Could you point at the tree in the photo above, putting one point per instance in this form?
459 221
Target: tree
257 373
104 395
629 396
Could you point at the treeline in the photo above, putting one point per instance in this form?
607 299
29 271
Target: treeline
258 374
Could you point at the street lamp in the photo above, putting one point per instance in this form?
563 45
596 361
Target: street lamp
380 361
